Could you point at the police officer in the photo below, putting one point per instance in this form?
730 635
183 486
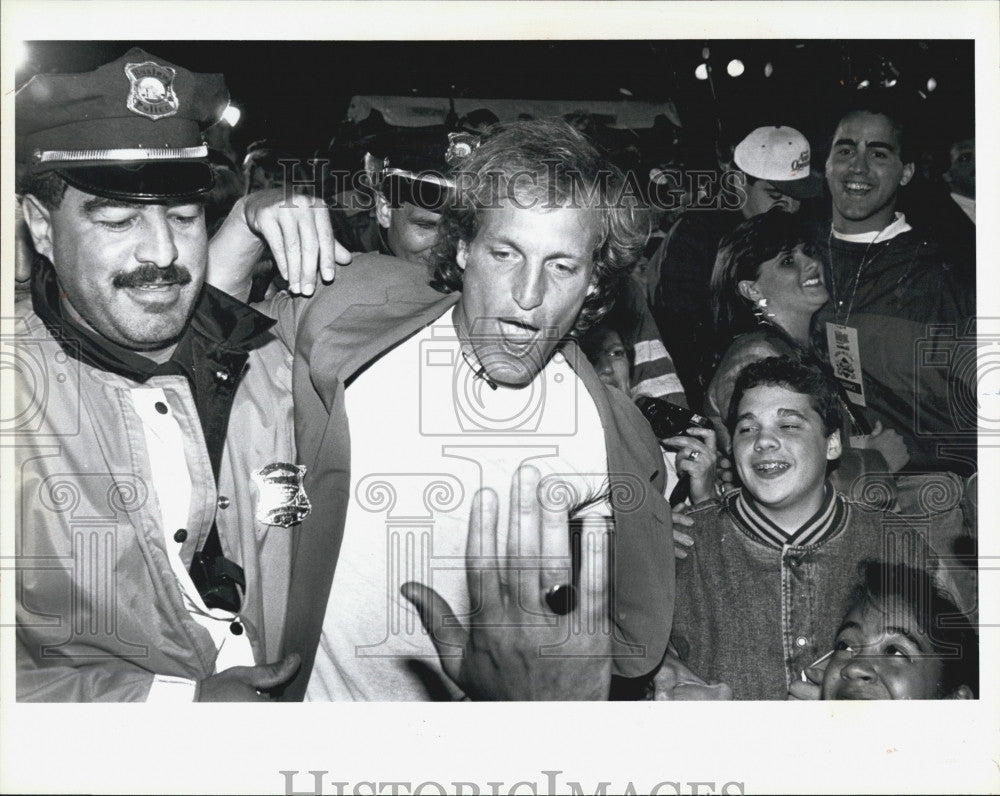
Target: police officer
155 530
406 187
408 172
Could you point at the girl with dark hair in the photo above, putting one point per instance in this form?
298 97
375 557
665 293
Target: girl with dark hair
903 638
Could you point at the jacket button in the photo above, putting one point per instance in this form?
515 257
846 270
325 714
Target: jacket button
236 629
801 641
222 376
180 535
223 502
160 407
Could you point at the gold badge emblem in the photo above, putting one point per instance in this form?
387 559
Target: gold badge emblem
281 495
152 90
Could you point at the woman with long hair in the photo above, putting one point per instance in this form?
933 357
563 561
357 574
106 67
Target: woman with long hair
766 290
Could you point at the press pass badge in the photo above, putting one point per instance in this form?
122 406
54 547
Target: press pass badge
845 358
281 495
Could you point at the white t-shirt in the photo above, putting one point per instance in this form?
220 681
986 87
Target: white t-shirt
897 227
425 435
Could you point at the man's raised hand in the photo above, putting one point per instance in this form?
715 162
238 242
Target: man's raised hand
515 646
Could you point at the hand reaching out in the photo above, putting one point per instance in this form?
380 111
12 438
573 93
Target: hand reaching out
682 541
809 686
726 474
298 231
890 444
676 682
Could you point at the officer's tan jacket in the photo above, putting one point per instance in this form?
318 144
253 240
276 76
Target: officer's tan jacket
99 610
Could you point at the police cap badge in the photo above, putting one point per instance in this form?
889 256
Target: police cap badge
131 129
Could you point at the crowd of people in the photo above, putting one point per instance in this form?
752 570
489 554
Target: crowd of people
470 412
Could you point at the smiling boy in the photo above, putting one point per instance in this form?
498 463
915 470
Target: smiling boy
763 590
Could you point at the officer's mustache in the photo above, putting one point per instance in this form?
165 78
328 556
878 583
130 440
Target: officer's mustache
152 276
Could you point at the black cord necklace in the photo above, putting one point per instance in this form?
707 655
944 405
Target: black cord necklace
839 302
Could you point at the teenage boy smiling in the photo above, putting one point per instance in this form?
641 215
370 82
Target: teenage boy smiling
764 588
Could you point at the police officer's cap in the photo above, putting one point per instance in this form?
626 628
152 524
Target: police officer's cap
130 130
413 165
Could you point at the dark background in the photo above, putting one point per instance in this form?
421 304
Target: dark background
299 90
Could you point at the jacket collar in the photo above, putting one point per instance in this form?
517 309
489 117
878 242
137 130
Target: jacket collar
824 524
350 341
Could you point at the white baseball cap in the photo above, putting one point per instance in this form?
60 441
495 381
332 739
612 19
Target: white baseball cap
779 155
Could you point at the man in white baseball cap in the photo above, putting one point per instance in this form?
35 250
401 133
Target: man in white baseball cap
776 163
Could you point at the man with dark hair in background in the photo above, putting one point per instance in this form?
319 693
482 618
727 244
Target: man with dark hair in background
942 204
961 173
899 305
409 188
900 323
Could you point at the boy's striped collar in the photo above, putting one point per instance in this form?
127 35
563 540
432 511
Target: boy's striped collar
816 530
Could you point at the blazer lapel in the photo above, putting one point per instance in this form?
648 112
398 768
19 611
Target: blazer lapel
336 353
643 585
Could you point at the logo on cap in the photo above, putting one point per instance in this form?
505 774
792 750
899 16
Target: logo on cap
802 162
151 93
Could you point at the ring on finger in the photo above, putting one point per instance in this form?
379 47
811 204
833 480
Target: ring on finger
561 598
693 455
